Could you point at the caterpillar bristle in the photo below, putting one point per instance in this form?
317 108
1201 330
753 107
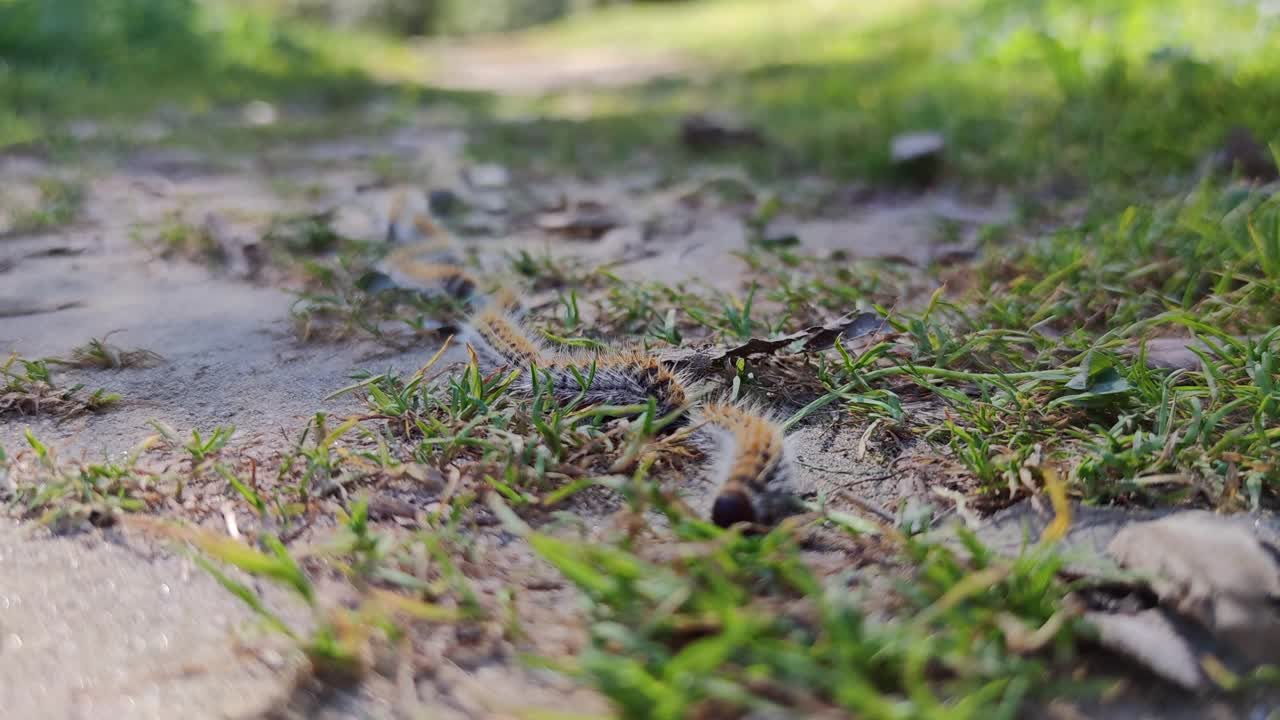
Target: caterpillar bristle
506 300
409 221
394 216
428 227
426 256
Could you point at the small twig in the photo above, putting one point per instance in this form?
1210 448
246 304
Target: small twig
867 506
851 483
229 517
957 499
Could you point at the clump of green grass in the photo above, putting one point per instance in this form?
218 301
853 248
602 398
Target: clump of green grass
66 495
343 295
740 624
536 453
115 60
174 237
1044 355
308 234
29 389
341 647
335 306
98 353
1037 360
201 447
732 624
59 204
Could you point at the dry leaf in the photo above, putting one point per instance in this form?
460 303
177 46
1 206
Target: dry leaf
812 339
1211 569
1156 640
584 221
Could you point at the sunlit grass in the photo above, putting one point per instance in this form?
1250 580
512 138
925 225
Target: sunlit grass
726 30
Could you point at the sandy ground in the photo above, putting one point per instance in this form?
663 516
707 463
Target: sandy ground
105 624
97 626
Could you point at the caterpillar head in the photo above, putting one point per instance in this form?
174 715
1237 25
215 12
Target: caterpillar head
738 504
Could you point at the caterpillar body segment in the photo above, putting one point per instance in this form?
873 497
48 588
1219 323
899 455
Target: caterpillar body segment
429 276
620 380
626 378
500 339
424 256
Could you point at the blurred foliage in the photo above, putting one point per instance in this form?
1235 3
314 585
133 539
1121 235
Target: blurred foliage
1113 99
1052 94
101 36
63 59
439 17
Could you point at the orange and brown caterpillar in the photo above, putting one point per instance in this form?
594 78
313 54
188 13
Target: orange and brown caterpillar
610 378
626 378
425 255
749 461
750 465
407 269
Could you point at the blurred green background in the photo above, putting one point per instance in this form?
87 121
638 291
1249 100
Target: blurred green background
1100 93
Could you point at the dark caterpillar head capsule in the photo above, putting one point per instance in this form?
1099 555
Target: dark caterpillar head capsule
732 506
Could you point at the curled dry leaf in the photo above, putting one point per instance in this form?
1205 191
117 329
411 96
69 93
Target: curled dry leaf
1213 570
1177 593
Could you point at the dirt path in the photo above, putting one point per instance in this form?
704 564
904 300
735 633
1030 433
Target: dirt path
507 68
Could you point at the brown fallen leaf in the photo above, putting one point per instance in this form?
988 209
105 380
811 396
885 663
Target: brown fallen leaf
584 220
812 339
